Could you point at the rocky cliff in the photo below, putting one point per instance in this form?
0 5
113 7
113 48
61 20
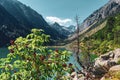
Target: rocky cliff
109 9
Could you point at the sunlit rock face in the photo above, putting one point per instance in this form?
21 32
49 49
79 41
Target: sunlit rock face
111 8
116 1
98 16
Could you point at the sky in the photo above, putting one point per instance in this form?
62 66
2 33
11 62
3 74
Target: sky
64 11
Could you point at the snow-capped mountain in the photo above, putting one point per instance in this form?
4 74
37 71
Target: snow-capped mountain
60 29
71 28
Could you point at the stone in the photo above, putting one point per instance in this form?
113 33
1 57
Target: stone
106 61
111 54
115 68
117 55
103 78
105 57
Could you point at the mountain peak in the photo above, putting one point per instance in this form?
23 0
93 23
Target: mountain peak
116 1
56 24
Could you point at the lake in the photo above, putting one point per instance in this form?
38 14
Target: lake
3 52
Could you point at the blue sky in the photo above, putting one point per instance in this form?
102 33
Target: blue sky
64 11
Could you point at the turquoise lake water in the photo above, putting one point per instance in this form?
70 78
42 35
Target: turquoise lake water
3 52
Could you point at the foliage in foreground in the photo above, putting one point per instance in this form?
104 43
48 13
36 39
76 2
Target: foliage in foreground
30 60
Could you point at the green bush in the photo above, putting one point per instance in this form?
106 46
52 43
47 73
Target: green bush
30 60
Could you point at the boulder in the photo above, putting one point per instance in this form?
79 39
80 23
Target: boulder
117 55
115 68
111 73
103 78
75 76
106 61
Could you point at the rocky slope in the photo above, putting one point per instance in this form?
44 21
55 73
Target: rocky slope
106 61
109 9
99 16
106 67
113 73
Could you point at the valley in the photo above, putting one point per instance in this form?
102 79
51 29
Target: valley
32 48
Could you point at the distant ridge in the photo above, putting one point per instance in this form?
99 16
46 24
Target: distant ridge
100 15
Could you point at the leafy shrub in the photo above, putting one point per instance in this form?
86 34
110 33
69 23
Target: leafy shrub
118 62
30 60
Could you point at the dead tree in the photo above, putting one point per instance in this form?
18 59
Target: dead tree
86 69
78 43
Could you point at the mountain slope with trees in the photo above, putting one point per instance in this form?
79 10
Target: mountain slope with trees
99 16
10 28
29 17
106 39
20 19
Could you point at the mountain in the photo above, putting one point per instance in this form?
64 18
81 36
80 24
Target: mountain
99 16
29 17
71 28
103 36
61 29
10 28
105 39
109 9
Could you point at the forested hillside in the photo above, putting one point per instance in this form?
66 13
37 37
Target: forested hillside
19 20
105 39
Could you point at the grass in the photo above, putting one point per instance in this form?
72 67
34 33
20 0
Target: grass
93 56
113 75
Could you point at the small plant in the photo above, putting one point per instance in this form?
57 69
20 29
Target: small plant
30 60
114 75
118 62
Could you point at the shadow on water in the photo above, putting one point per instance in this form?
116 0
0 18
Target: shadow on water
3 52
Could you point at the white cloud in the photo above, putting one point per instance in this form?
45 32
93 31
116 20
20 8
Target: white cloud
63 22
